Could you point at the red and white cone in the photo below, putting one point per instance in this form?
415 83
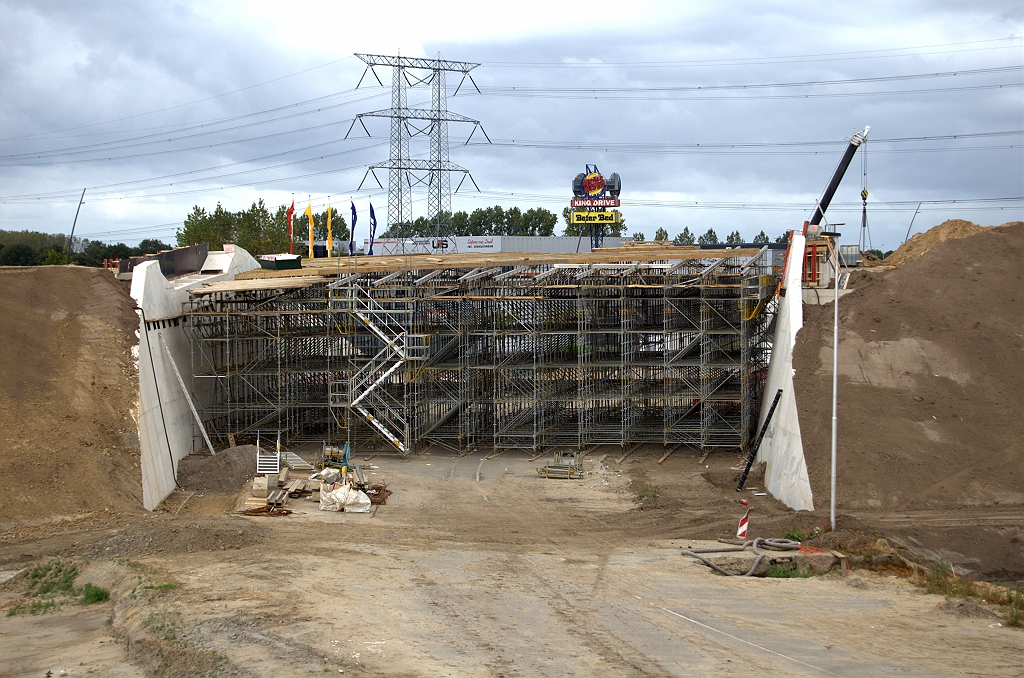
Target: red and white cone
741 532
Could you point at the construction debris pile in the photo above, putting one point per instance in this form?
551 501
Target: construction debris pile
335 489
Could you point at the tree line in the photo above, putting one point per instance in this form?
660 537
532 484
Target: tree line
260 231
33 248
709 238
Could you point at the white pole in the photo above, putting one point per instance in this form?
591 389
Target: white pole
835 379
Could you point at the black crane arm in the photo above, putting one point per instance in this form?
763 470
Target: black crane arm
826 197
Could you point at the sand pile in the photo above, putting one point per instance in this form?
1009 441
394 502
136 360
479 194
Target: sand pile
931 412
226 473
920 243
69 440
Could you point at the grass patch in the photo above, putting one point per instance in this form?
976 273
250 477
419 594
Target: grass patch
794 534
784 572
647 491
940 579
52 577
94 594
162 587
167 626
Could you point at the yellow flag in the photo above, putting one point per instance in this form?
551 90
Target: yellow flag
330 238
309 215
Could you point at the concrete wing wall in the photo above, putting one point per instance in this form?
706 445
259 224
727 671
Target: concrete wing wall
167 428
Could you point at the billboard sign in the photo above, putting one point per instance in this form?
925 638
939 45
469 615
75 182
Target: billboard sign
596 217
593 185
595 202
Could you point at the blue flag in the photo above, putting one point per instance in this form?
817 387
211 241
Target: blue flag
352 233
373 228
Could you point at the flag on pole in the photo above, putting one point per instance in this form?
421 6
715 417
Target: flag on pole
309 215
330 236
373 229
741 532
352 233
291 213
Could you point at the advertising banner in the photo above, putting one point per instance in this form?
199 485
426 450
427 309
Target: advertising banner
595 217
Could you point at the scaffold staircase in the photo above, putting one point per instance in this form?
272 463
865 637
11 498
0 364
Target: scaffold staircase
387 352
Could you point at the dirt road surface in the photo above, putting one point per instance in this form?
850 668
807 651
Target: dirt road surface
511 575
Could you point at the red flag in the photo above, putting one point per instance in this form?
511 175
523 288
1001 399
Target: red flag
291 211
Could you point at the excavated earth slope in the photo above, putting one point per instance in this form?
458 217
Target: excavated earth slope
951 229
68 438
931 422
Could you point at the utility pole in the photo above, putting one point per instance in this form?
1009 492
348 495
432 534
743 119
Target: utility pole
67 250
405 172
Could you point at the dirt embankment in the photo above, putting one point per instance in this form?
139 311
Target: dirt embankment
931 412
951 229
68 437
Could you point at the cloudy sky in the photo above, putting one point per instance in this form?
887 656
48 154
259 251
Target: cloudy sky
729 116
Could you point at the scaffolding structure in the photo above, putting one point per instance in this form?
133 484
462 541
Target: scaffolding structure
535 357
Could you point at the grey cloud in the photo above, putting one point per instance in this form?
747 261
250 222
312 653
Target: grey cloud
120 59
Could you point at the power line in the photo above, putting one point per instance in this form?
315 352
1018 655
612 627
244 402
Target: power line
728 148
210 178
150 139
190 103
827 56
766 85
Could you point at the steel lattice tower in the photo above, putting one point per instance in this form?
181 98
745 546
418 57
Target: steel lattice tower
405 172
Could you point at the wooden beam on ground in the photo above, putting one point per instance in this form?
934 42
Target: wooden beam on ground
666 455
497 454
538 456
621 459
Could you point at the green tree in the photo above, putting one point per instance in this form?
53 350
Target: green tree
96 251
734 238
215 228
784 237
661 234
761 238
53 258
150 246
685 238
460 223
709 238
19 255
638 237
539 221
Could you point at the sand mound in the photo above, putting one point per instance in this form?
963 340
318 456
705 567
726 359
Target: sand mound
70 442
920 243
225 473
930 405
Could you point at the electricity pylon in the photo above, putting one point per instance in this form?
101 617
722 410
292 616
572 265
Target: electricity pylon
405 172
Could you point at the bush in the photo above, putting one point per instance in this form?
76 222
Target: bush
94 594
